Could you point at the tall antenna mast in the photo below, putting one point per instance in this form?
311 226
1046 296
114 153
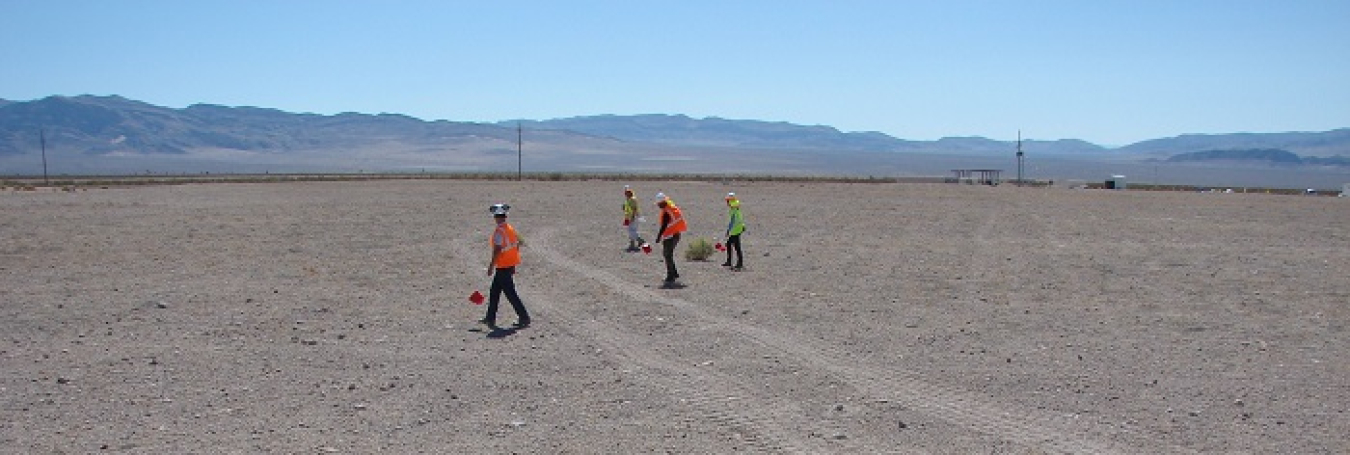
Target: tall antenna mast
42 137
520 151
1019 157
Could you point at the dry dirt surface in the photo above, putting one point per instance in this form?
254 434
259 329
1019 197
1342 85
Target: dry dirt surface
333 317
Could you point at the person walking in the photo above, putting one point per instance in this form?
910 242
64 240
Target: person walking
735 227
672 224
502 269
631 216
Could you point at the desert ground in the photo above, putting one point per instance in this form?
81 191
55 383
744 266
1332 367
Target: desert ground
333 317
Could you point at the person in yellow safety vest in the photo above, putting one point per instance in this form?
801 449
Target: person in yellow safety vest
735 228
672 224
631 216
505 258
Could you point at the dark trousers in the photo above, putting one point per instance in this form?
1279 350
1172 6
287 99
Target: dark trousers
503 281
735 242
668 250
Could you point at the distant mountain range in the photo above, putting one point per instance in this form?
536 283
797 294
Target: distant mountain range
685 131
104 125
1271 156
111 134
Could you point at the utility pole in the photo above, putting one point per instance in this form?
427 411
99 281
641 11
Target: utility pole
1019 157
42 138
520 152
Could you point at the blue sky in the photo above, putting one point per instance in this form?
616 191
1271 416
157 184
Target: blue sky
1109 72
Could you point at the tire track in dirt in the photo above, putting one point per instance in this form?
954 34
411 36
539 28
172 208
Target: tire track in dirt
706 394
991 280
1025 427
981 261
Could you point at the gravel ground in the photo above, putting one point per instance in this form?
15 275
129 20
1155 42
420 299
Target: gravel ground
332 317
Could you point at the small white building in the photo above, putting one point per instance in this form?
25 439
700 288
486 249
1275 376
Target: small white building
1117 182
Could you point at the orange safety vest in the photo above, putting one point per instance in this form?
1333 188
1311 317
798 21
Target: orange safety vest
674 221
510 254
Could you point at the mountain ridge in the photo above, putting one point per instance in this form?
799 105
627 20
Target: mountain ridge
93 115
94 134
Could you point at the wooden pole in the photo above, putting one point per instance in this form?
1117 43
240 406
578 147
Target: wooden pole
42 137
520 151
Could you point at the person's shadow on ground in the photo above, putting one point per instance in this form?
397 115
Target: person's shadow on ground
496 332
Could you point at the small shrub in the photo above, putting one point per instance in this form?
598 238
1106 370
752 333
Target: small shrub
699 250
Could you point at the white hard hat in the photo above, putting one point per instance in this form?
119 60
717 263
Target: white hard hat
499 209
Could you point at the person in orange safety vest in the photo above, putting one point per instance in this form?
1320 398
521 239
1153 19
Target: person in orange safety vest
505 258
668 235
